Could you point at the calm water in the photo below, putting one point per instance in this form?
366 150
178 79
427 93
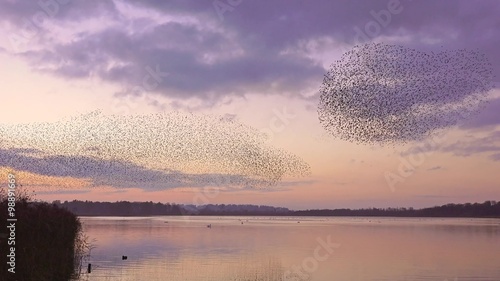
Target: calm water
277 248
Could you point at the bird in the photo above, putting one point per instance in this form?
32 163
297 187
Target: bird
150 151
380 93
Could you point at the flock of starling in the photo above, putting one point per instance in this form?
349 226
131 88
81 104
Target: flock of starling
149 151
379 94
376 93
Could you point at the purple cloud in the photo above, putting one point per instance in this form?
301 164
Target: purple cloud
495 157
469 146
260 46
489 116
435 168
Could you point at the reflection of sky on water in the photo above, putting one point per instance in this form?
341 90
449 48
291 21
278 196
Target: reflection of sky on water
371 248
147 238
172 246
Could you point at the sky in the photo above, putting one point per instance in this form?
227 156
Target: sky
257 63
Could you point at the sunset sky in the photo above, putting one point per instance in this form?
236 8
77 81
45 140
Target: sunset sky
260 63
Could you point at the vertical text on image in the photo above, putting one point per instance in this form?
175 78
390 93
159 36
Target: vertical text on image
11 222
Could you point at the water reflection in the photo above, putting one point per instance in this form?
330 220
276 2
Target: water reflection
251 248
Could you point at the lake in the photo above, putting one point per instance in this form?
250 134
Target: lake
292 248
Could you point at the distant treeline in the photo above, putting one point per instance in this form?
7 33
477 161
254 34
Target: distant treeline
469 210
125 208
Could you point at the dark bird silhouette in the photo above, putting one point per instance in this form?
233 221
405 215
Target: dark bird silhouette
379 93
154 151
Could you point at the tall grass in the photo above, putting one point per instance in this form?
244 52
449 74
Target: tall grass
49 242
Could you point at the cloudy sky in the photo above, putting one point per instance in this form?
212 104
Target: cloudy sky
260 63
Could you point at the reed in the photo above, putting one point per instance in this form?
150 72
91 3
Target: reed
49 242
